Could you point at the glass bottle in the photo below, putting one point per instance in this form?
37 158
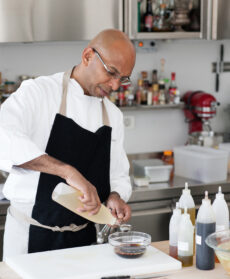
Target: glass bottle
162 99
139 91
172 89
155 94
148 17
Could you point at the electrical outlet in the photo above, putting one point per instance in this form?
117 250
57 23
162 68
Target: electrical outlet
129 122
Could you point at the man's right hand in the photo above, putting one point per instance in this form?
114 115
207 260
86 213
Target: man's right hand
90 199
73 177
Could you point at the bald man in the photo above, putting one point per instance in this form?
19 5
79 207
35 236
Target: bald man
62 128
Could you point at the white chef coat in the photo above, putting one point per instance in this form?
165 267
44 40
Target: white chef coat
26 119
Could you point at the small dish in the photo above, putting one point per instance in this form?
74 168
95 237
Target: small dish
129 244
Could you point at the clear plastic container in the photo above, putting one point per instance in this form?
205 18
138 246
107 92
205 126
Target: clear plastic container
201 163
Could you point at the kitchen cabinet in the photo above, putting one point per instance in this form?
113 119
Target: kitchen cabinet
57 20
76 20
214 17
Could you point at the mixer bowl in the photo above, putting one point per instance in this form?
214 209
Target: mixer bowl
129 244
220 242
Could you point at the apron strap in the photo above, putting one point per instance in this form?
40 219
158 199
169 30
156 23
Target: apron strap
23 218
65 83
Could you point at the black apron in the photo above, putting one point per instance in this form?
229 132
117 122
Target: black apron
89 153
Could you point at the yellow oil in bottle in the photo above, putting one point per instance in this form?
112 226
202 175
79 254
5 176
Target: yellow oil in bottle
192 213
186 260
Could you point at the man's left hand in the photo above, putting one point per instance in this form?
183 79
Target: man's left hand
118 207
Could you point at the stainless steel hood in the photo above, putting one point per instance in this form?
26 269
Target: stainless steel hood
57 20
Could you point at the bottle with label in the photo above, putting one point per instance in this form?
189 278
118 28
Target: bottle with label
148 17
186 200
139 91
205 225
155 94
162 98
173 231
185 240
154 77
221 211
172 89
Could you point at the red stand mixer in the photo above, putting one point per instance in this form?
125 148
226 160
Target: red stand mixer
200 107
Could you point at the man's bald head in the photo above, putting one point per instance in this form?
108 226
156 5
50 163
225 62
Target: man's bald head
116 52
110 38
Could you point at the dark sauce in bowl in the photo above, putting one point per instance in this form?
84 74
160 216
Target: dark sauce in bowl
130 250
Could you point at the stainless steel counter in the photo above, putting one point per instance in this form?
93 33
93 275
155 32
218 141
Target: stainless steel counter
173 189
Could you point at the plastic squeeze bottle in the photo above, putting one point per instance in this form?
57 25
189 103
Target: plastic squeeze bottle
221 211
186 200
185 240
173 231
205 225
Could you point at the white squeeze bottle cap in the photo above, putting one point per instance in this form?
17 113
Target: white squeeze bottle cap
186 190
177 210
206 200
206 213
219 195
186 199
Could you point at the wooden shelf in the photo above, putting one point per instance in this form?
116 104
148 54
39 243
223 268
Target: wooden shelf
153 107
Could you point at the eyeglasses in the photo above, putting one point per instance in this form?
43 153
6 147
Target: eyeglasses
113 73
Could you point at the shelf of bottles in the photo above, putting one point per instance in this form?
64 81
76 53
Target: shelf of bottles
168 19
154 91
146 107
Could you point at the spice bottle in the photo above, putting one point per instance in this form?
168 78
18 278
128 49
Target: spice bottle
185 240
205 225
173 231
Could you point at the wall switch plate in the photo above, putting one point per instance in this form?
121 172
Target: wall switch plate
129 122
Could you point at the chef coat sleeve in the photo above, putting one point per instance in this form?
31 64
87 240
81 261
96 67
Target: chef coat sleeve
119 168
19 116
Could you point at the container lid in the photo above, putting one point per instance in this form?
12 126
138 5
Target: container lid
206 201
186 190
148 162
220 195
168 152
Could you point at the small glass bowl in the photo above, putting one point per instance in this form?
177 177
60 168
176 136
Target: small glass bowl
129 244
220 242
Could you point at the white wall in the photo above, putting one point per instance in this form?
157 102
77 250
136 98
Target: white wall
155 130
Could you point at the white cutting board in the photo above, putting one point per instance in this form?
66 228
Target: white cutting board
89 262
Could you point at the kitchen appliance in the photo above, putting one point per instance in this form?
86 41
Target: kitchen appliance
200 107
68 197
89 262
155 169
